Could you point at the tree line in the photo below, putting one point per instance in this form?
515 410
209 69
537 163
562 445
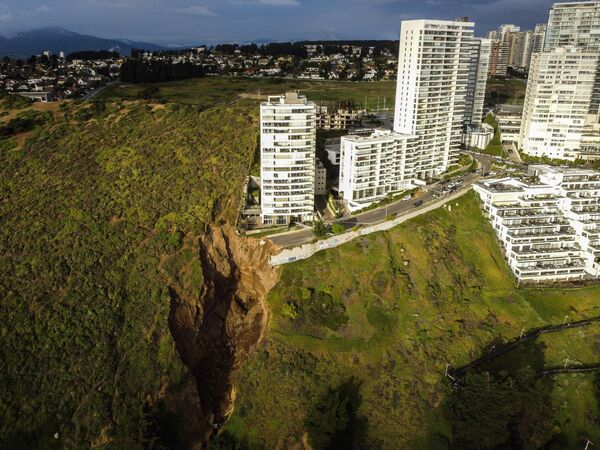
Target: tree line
156 71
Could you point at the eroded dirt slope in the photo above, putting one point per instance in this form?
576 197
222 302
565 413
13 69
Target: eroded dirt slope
217 328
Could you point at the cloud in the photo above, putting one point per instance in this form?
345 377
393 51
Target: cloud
5 13
279 2
42 9
195 10
266 2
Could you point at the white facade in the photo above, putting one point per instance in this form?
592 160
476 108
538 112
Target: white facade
431 95
478 136
478 74
509 119
374 166
560 115
574 24
549 224
287 144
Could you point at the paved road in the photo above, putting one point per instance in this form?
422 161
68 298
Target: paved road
511 151
94 93
294 238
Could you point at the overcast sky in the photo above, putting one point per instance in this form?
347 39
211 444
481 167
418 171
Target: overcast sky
189 22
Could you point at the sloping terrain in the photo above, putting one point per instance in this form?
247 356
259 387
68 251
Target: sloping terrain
361 336
104 212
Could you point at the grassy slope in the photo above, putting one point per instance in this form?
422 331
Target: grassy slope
209 91
435 290
90 205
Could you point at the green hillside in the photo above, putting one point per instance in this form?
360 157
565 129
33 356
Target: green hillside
91 205
361 335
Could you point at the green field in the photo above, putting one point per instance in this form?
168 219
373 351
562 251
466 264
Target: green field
357 350
209 91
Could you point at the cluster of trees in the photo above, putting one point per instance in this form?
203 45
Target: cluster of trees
158 71
91 206
92 55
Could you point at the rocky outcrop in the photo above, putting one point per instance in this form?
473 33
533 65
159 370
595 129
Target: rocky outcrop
216 331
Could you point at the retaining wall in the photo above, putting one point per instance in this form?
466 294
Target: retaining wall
307 250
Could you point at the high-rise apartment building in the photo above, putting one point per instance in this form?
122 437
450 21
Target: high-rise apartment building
287 155
434 66
556 113
561 117
498 64
539 35
478 73
505 29
442 72
574 23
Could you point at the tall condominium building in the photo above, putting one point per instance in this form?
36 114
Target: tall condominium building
505 29
574 23
549 223
561 118
434 66
478 73
287 144
498 65
557 115
440 88
539 35
374 166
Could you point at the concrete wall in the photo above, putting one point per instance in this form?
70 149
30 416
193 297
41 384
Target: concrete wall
307 250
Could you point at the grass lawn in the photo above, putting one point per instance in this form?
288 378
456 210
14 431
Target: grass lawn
386 321
209 91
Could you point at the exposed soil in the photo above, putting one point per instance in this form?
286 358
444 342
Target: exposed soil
217 330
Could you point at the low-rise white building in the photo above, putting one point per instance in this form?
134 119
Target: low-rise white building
548 223
478 136
508 118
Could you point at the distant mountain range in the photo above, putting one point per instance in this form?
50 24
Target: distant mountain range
56 39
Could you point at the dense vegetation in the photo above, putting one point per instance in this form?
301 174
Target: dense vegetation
505 90
495 146
158 71
92 55
95 210
400 305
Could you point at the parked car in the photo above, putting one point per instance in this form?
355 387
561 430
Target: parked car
418 203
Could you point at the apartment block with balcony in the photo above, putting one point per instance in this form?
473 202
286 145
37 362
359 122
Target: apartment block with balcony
548 222
561 111
373 166
287 153
509 118
341 119
579 190
435 68
573 24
